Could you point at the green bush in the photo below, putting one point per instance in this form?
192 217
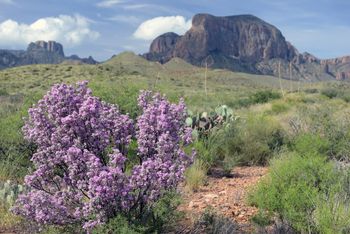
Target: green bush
249 142
332 127
213 223
118 225
264 96
196 175
159 218
202 148
346 97
294 189
279 107
309 143
218 148
330 92
257 98
332 213
311 90
3 92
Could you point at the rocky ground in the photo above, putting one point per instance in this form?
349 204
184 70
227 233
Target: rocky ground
226 196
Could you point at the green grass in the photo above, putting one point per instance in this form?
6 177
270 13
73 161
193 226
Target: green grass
119 80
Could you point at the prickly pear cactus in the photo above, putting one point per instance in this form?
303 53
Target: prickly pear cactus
9 192
203 123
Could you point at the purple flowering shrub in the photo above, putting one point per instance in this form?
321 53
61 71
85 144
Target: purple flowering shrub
80 174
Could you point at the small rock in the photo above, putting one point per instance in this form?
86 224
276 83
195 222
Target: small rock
222 192
192 205
211 196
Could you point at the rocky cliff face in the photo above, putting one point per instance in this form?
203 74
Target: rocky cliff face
40 52
162 47
43 46
244 37
242 43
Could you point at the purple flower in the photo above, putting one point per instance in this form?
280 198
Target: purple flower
82 143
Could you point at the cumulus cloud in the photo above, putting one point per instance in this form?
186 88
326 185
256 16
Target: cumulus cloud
152 28
108 3
69 30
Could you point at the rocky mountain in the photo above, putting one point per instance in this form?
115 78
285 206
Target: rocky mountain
40 52
244 43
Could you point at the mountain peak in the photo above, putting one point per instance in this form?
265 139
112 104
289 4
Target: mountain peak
39 52
49 46
243 43
246 38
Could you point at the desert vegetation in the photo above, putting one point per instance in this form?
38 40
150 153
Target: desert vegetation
101 157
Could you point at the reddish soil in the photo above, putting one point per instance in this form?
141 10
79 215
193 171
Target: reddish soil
227 196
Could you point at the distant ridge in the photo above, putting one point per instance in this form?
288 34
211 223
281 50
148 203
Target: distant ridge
244 43
39 52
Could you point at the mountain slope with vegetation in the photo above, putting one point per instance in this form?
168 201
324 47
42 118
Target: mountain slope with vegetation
298 125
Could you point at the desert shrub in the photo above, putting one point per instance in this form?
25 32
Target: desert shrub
203 154
119 225
218 148
311 90
196 175
330 92
256 98
294 189
308 143
321 121
161 217
332 213
80 175
252 141
264 96
212 223
241 102
244 102
3 92
7 219
279 107
346 97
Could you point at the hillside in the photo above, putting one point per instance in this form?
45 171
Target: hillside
175 78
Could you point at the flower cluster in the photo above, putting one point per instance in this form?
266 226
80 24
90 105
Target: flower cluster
80 174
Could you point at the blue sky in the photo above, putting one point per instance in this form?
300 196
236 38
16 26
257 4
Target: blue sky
102 28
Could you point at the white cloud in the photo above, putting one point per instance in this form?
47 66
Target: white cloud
152 28
137 6
108 3
68 30
9 2
129 19
151 7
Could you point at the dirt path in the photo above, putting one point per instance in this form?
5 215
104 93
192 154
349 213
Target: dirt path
225 195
